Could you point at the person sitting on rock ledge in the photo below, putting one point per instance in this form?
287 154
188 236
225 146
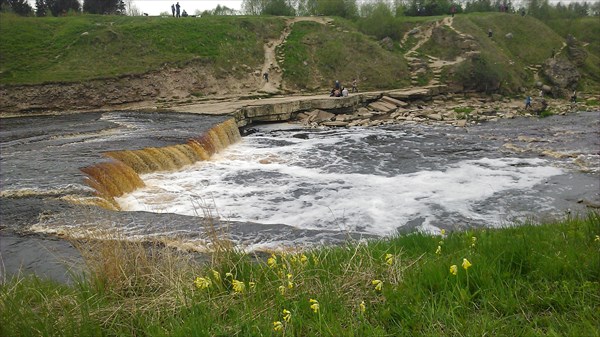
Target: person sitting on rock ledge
344 92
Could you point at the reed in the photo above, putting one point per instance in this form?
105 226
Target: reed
526 280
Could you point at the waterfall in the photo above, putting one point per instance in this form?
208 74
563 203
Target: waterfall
120 174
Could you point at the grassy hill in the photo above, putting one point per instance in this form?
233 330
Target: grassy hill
79 48
82 48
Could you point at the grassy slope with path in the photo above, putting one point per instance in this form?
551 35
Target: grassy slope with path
80 48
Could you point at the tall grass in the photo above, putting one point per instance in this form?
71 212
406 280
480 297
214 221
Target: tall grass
527 280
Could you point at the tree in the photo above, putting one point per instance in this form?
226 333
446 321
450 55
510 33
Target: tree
279 7
306 7
62 7
253 7
20 7
41 9
344 8
104 6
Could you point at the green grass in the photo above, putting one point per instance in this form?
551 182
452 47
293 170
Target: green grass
528 280
77 48
317 55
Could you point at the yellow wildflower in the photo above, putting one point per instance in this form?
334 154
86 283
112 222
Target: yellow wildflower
303 259
202 283
378 284
252 285
277 326
438 251
389 259
315 259
314 305
362 307
229 275
473 241
272 261
282 290
238 286
453 269
597 239
287 315
466 264
443 232
216 276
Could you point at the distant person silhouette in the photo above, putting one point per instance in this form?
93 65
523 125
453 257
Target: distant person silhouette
173 9
177 9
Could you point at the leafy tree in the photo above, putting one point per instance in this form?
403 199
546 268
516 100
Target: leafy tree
104 6
344 8
378 20
41 9
306 7
279 7
61 7
254 7
20 7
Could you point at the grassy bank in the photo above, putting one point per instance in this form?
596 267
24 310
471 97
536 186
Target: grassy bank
78 48
529 280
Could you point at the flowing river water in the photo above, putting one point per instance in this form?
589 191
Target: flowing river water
284 186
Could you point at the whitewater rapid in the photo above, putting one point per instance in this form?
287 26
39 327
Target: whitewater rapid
372 181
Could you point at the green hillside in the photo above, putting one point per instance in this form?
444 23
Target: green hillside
37 50
80 48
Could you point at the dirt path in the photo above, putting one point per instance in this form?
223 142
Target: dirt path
415 58
271 65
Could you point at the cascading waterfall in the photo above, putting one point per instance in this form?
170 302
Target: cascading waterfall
120 175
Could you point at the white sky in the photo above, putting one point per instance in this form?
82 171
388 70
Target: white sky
155 7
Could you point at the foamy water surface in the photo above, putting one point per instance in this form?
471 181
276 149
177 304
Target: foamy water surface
372 181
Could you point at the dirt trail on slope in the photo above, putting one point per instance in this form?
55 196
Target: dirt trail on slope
271 66
416 58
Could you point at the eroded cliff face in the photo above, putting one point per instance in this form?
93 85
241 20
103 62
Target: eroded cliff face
168 86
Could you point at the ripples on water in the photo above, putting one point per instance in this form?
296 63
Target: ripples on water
372 181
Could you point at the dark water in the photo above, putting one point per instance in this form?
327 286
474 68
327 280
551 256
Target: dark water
296 187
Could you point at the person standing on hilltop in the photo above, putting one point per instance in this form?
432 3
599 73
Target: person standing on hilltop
173 9
177 9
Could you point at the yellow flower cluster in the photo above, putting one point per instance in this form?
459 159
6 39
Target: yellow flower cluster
202 282
473 241
466 264
314 305
238 286
287 315
389 259
362 307
438 251
277 326
378 284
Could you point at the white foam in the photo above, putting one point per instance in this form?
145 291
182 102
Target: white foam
265 183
